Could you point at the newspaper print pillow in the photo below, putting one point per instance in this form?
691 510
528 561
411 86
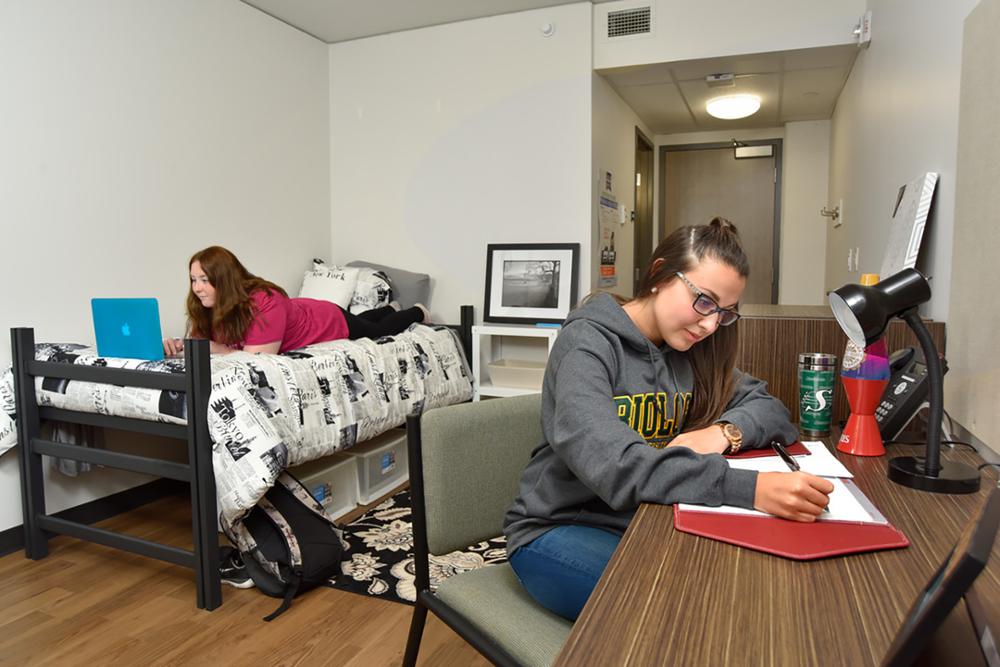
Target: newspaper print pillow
330 283
8 413
372 291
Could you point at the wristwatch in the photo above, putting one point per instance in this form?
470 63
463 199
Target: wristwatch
733 434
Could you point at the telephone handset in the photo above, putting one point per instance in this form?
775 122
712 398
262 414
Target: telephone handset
906 392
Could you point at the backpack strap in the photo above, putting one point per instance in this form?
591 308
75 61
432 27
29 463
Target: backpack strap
294 552
290 590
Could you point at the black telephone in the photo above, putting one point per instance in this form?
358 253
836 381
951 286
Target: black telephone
906 392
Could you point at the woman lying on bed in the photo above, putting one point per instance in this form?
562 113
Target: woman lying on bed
236 310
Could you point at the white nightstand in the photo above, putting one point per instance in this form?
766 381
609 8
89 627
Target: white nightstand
494 334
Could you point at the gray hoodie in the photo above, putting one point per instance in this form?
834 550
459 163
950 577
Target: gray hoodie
611 402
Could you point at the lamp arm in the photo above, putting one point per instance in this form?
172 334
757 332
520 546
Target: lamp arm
935 376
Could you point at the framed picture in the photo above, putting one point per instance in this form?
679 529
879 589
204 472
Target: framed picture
529 283
906 230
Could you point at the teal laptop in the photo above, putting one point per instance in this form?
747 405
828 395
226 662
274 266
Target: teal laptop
127 328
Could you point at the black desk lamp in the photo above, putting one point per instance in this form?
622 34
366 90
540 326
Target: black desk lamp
863 313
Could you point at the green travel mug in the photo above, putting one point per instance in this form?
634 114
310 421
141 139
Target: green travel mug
817 372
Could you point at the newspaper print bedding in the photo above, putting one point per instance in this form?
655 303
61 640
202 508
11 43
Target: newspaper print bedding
268 412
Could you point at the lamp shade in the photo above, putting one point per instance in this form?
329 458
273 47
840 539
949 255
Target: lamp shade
863 312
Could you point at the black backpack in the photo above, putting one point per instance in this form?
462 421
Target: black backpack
288 542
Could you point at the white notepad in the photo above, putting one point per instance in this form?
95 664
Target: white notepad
847 502
819 462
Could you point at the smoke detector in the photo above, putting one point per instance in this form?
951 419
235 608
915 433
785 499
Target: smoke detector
720 80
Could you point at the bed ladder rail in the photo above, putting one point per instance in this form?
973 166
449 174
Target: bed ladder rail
115 540
119 460
177 431
196 381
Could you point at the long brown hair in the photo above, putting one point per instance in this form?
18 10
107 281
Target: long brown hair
228 320
714 358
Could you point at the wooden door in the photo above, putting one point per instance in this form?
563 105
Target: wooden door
643 242
703 183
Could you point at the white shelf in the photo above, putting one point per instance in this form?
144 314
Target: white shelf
527 330
493 334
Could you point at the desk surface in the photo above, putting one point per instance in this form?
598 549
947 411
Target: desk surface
668 597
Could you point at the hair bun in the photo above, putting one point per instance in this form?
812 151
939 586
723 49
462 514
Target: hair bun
725 225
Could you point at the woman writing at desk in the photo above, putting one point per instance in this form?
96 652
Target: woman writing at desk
639 401
237 310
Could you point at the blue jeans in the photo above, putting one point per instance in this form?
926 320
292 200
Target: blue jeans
561 567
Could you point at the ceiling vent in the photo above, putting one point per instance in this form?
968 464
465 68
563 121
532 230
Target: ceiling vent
629 22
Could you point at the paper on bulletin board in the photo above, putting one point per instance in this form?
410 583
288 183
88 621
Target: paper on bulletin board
608 214
609 256
608 209
608 277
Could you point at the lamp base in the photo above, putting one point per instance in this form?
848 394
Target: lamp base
952 478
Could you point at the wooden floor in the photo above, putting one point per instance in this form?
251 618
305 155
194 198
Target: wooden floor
89 605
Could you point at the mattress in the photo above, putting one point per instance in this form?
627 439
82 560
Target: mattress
268 412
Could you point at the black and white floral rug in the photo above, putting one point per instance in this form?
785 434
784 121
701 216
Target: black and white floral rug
379 560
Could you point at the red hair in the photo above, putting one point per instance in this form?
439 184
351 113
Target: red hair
229 318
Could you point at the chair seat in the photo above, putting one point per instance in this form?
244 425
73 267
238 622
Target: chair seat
493 600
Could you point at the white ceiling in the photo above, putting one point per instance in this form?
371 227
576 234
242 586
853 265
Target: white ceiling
668 97
340 20
793 85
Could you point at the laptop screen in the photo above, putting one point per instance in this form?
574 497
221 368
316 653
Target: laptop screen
948 584
127 328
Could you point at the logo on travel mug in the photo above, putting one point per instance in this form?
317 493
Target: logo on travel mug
816 377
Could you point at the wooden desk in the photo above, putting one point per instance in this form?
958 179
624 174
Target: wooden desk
670 598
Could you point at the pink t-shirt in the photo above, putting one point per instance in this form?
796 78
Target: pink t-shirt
295 322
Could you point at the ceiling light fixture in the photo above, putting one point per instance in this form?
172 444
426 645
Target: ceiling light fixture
730 107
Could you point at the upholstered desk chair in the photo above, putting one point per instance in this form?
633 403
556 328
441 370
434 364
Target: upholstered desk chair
465 464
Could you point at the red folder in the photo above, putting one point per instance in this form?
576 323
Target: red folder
795 449
790 539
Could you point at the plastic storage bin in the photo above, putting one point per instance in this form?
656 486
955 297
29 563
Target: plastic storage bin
381 464
517 373
332 480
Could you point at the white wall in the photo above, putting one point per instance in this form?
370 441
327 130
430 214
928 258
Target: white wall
973 381
688 30
805 156
448 138
897 118
614 124
804 181
134 134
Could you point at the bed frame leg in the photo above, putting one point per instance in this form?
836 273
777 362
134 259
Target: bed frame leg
204 517
36 543
467 320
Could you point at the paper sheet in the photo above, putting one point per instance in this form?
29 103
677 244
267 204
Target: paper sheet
819 462
847 502
845 505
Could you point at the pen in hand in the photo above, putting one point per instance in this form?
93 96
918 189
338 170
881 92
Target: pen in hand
785 456
792 464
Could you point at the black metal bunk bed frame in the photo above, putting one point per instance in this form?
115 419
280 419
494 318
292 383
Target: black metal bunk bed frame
198 472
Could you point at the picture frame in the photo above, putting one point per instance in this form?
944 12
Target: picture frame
531 283
906 229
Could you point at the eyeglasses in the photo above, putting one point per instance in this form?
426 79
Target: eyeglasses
706 305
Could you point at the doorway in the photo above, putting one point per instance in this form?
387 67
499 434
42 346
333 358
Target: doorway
701 181
643 236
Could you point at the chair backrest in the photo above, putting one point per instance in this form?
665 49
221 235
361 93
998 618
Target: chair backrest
473 457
